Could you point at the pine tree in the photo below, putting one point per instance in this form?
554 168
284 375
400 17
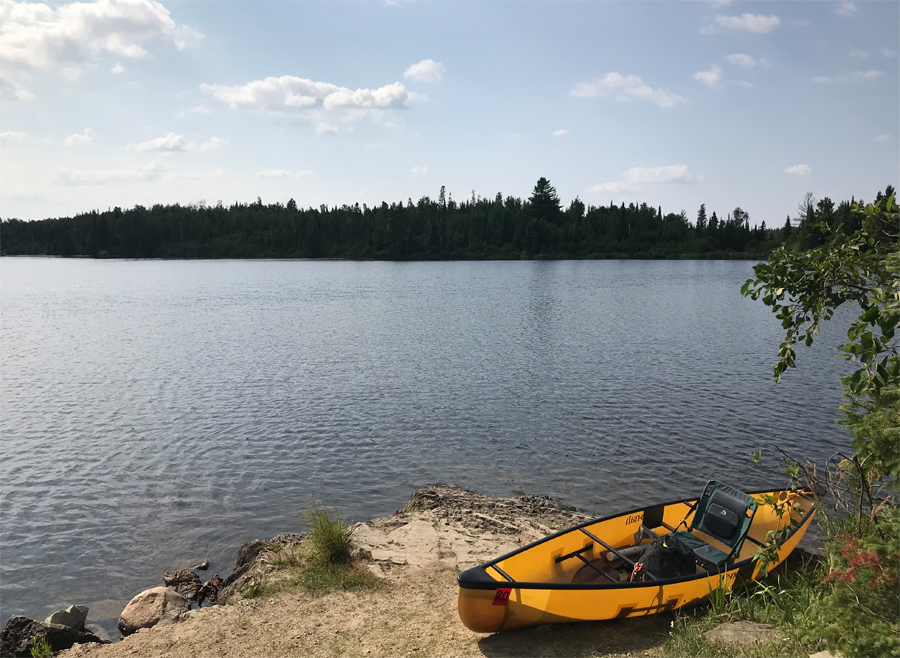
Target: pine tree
701 217
545 202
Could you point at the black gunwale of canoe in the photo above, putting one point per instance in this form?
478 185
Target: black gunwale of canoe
478 578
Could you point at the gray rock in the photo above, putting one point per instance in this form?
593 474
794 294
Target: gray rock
74 617
743 633
248 552
827 654
185 582
18 636
159 605
203 566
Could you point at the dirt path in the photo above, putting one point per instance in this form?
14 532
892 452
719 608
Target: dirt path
418 553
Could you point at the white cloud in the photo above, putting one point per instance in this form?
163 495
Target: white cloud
562 132
668 174
881 138
199 109
282 173
418 170
184 37
316 102
214 144
37 37
847 8
855 76
11 137
612 188
711 78
292 94
425 71
887 53
638 175
156 169
755 23
625 88
10 90
799 170
326 129
170 142
742 60
79 139
871 74
859 54
117 69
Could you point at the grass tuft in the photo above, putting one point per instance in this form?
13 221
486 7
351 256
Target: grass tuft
785 601
328 538
40 647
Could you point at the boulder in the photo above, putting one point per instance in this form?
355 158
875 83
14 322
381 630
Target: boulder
202 566
210 591
742 633
17 637
74 617
159 605
185 582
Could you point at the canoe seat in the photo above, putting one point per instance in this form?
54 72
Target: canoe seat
723 513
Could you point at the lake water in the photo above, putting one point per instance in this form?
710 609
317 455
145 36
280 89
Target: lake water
154 413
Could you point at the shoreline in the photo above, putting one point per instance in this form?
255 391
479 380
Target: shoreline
412 556
416 552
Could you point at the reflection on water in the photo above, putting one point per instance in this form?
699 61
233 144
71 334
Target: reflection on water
154 413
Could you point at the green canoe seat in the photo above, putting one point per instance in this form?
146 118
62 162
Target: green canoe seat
723 513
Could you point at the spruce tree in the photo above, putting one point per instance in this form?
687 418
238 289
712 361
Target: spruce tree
545 202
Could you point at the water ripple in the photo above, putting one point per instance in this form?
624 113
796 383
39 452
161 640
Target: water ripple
158 412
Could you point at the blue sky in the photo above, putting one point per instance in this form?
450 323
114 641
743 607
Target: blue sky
747 104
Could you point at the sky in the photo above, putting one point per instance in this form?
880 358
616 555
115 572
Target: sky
750 104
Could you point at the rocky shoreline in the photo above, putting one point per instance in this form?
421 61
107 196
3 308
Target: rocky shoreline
442 527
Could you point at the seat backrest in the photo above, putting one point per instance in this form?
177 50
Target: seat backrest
724 513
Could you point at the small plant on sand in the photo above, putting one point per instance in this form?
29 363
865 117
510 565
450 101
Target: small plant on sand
328 538
40 648
253 591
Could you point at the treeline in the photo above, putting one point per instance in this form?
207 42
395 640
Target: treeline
477 228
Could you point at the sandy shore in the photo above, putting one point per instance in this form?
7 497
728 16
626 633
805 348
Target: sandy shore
417 552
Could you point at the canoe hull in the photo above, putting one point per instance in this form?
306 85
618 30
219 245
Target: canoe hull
495 605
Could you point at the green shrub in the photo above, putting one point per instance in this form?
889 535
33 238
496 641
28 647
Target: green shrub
859 610
40 647
328 539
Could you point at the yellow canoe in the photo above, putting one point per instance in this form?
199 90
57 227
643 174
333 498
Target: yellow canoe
582 573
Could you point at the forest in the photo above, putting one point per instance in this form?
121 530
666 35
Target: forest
429 229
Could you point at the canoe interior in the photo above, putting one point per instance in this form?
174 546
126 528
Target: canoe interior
619 532
539 583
